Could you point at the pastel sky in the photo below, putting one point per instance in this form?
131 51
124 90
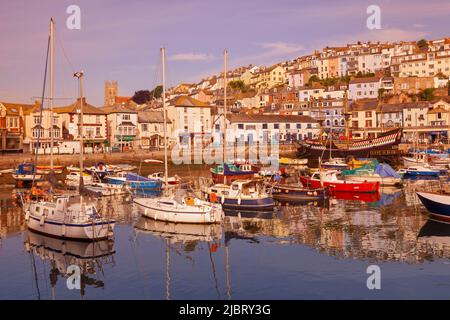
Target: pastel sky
120 40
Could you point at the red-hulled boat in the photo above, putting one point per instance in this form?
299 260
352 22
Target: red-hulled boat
364 197
328 179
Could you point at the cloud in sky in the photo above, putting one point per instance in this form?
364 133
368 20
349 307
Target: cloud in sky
191 57
270 51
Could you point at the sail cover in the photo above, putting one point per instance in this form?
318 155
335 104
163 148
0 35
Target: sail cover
386 170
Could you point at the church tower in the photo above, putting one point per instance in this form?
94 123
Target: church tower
111 92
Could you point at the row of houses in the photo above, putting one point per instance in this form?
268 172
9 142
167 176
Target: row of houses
122 127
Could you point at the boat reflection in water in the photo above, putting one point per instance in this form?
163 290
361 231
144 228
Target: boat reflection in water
180 232
90 257
393 229
435 238
187 235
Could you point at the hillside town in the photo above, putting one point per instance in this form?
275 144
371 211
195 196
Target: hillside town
403 84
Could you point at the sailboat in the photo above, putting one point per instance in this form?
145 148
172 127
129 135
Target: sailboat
66 216
235 190
179 207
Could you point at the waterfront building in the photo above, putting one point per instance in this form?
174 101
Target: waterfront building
122 121
38 132
190 117
12 126
95 128
261 128
151 129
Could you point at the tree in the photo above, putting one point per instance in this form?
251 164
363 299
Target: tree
238 85
381 93
141 96
427 94
157 92
312 79
422 44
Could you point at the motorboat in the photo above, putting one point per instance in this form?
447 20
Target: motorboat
241 195
329 179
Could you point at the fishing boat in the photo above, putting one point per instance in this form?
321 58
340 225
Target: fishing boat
383 173
329 180
335 164
241 195
422 170
228 172
99 170
160 176
143 185
48 169
119 178
437 204
295 192
26 172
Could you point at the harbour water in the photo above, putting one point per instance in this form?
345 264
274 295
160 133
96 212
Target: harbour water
308 251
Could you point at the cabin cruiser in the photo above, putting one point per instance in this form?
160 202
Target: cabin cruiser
242 195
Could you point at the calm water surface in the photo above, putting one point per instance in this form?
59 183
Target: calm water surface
299 252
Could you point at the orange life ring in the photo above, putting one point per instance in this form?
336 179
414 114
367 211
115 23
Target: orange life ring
213 197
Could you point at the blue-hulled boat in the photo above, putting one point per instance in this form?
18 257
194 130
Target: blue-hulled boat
422 171
241 195
117 179
437 204
26 172
143 185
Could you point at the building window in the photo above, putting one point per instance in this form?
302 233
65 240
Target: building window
240 126
276 126
13 122
299 125
97 119
97 131
144 127
125 117
288 125
368 123
368 114
264 125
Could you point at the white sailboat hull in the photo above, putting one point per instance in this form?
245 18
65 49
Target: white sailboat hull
82 231
155 208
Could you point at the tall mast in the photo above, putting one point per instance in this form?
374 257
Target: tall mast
80 76
225 57
347 118
51 90
163 60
